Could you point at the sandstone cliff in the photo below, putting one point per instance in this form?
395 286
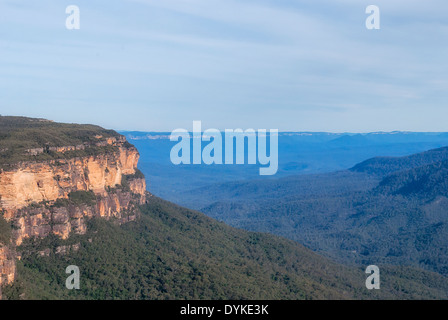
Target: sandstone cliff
7 265
33 182
58 196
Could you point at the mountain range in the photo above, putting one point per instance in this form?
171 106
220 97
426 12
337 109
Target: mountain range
298 153
72 195
383 210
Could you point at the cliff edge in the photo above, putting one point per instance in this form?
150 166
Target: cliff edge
54 177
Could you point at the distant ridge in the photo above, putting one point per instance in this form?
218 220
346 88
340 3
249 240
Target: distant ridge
351 140
429 182
383 166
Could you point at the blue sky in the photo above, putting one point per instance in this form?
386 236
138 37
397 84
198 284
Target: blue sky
157 65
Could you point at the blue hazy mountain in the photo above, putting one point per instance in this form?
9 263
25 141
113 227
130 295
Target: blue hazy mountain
299 153
383 210
386 165
357 198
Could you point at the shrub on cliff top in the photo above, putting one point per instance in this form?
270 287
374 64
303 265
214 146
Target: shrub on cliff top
129 177
138 174
82 197
19 134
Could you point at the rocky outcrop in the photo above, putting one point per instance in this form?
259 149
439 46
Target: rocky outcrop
34 182
7 266
64 220
35 196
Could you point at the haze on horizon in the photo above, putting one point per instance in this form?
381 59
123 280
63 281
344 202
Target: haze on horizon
153 65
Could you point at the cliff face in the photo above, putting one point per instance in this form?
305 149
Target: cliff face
43 220
33 182
36 196
7 265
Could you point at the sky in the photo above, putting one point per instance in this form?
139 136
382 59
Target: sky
158 65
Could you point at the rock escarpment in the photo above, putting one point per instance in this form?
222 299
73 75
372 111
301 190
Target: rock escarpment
7 266
32 182
58 196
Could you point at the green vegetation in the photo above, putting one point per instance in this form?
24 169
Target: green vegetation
356 216
175 253
425 182
18 134
126 178
125 182
384 166
5 231
138 174
82 197
34 133
77 198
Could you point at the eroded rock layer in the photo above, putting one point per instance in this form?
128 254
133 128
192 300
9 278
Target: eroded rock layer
35 197
34 182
